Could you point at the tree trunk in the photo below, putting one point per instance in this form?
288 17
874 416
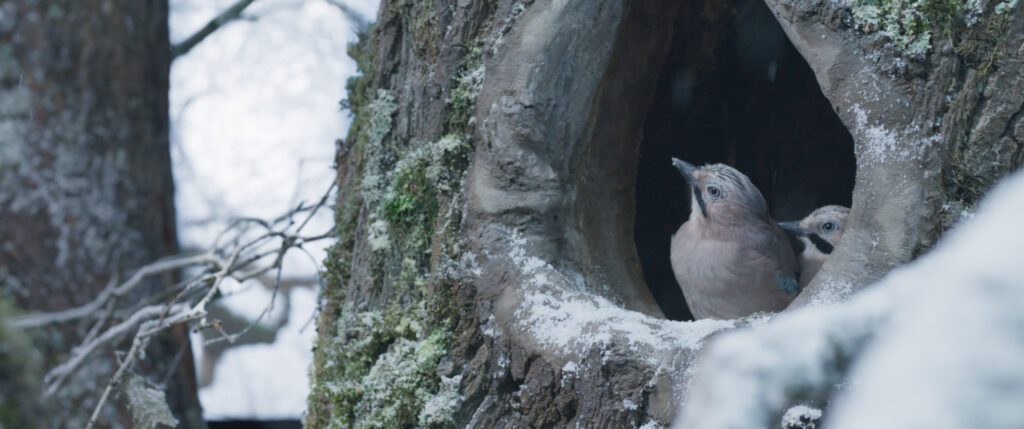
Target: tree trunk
486 273
86 192
933 129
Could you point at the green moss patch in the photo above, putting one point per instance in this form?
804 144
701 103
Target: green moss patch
911 24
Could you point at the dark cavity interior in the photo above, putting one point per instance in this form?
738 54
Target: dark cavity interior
734 90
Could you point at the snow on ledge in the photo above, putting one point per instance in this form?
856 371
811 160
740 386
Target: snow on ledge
582 321
560 314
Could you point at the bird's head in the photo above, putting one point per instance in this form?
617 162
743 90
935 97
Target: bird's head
823 228
722 192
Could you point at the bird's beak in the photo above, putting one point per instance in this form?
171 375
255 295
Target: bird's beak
793 228
685 168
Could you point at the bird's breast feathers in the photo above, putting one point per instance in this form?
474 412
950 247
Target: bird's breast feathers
708 261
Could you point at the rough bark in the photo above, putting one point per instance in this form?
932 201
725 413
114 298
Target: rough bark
932 131
930 138
486 275
86 193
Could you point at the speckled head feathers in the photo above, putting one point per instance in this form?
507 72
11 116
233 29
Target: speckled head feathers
722 183
828 222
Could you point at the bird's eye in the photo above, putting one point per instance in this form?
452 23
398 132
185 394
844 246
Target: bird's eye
714 191
829 226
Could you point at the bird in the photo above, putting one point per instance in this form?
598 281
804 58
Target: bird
730 258
814 237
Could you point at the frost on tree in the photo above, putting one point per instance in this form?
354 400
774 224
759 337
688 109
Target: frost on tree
486 273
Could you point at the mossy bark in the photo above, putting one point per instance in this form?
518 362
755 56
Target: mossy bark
86 193
390 311
485 273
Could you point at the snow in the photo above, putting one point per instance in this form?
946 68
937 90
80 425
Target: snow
583 320
953 354
569 371
881 141
883 144
651 424
629 405
575 320
834 291
570 367
801 416
255 116
936 344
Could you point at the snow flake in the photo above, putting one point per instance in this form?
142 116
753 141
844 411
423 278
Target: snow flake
629 405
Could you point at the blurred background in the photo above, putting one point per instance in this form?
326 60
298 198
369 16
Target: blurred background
254 116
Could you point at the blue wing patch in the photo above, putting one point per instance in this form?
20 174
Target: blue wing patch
788 285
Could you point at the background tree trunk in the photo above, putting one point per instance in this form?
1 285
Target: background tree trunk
486 274
85 181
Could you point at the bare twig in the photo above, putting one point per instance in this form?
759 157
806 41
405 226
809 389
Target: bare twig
360 22
168 265
230 14
54 379
137 345
169 316
250 249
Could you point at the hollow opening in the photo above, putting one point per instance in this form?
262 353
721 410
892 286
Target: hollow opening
734 90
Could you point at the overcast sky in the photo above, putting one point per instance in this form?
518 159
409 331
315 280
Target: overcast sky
255 114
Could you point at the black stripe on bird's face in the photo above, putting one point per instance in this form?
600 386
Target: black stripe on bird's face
820 243
700 201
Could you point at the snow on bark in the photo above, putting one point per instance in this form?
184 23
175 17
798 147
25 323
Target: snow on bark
584 320
935 344
559 314
882 144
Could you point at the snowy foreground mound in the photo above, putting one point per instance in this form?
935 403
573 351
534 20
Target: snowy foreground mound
937 344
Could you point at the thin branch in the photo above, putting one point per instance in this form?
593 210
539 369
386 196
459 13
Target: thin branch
242 256
360 22
137 345
153 327
100 323
159 267
54 380
230 14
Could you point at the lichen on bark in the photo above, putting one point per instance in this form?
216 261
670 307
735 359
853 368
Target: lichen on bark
386 322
